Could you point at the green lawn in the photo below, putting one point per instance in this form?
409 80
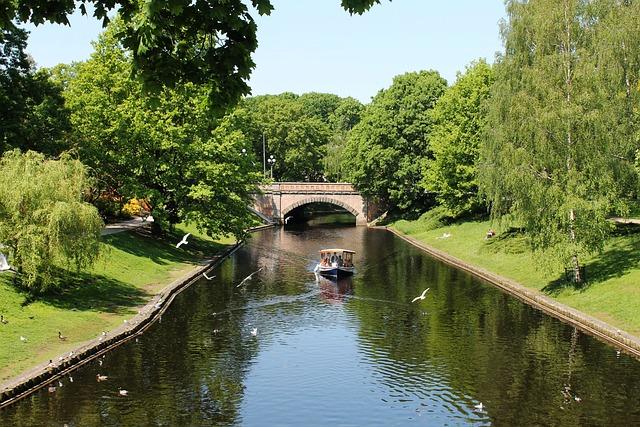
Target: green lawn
612 290
133 267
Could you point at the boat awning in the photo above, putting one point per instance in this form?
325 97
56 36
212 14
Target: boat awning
324 251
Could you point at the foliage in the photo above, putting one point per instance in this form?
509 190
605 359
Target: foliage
557 157
207 42
43 219
345 116
32 112
132 207
385 149
164 148
459 120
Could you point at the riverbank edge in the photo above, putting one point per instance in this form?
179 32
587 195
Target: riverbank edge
586 323
34 379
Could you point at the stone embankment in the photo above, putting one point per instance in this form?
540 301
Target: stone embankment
588 324
42 375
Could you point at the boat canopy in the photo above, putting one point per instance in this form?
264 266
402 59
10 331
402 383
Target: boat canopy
324 251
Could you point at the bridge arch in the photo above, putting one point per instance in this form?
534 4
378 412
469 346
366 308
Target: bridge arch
278 199
320 199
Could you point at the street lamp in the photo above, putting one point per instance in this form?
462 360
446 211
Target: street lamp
271 161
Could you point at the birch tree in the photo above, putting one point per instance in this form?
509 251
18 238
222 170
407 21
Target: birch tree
551 160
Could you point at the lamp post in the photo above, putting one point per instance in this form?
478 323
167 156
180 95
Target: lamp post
271 161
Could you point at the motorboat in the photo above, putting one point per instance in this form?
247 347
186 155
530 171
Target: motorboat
336 263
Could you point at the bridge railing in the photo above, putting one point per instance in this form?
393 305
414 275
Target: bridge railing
306 187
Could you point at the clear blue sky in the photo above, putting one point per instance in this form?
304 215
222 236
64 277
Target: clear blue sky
314 45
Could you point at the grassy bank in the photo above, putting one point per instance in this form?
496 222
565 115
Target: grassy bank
612 290
133 267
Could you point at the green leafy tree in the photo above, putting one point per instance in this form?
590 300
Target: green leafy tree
32 111
205 42
459 120
345 116
551 160
44 221
292 135
385 150
166 148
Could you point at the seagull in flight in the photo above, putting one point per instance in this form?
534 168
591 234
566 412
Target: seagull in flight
254 332
183 241
479 407
248 277
422 296
207 277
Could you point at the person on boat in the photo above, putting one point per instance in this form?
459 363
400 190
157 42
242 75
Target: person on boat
340 262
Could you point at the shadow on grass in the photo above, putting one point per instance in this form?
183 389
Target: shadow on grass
84 291
616 260
511 241
162 250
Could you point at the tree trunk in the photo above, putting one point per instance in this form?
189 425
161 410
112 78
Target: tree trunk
574 257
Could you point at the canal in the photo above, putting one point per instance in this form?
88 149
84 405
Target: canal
357 352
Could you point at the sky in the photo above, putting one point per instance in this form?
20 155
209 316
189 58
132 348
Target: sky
315 46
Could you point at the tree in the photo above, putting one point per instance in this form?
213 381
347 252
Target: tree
345 116
166 148
206 42
386 147
552 160
44 221
293 136
32 112
459 120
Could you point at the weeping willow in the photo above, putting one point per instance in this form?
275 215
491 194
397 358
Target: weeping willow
44 222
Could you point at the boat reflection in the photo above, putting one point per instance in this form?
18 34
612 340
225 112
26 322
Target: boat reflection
334 291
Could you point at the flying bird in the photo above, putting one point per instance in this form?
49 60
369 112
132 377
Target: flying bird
422 296
479 406
254 332
207 277
248 277
184 240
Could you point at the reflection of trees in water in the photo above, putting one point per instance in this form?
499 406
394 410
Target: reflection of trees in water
469 342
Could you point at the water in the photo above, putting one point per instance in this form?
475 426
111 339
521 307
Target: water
352 353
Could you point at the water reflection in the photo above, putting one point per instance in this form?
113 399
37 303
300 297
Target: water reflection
352 352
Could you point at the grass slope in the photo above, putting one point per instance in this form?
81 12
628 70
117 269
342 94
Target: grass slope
133 267
612 290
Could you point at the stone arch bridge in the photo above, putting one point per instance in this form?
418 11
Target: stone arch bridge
280 198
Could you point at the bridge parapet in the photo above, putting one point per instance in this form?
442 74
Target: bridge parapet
310 188
280 198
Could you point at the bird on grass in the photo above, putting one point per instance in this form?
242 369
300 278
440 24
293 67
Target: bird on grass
207 277
248 278
61 337
444 236
122 392
3 320
422 296
23 339
101 377
183 241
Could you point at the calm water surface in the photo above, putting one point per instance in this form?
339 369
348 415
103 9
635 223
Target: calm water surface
355 352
